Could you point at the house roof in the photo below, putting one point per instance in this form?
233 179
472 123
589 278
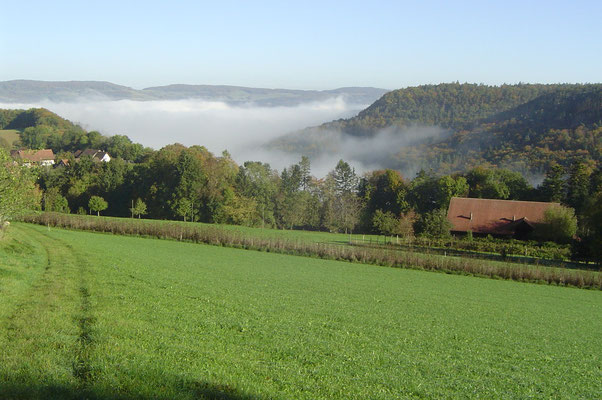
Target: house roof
501 217
99 154
33 155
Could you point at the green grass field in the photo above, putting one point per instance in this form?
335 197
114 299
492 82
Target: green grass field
271 233
10 135
323 245
88 315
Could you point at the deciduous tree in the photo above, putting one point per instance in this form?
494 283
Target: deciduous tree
139 208
18 192
97 204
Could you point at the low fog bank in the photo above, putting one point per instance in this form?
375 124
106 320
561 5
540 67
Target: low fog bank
326 147
242 130
248 131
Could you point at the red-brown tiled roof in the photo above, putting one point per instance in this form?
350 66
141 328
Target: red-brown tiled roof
34 155
501 217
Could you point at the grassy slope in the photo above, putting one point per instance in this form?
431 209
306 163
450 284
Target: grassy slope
130 317
270 233
300 236
10 135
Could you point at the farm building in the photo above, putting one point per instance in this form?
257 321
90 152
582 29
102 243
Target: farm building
41 157
95 155
496 217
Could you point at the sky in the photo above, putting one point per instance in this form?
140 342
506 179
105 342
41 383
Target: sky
302 45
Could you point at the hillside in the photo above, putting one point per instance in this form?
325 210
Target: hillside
22 119
264 97
26 91
530 125
456 106
561 126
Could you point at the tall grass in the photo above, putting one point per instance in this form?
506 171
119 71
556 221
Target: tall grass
391 258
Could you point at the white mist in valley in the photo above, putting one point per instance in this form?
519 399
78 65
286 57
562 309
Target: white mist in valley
364 153
244 131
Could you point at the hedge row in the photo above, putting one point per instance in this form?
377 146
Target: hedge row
391 258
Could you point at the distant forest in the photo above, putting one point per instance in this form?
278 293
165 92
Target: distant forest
525 127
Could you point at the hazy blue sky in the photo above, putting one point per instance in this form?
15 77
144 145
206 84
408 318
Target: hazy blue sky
304 44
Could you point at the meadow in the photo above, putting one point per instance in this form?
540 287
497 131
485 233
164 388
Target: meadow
9 136
323 245
99 316
474 247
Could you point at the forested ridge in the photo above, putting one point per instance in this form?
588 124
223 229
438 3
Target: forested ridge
524 127
454 105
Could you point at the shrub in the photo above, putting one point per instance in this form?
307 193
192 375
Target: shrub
54 201
435 224
560 225
385 223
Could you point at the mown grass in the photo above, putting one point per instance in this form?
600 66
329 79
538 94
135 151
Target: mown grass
516 247
263 233
38 302
216 235
159 319
10 135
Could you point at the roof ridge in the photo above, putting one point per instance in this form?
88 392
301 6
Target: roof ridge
505 200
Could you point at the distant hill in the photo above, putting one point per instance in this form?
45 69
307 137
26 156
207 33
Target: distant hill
523 126
22 119
455 106
562 126
27 91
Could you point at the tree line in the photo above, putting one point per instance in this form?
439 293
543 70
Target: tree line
192 184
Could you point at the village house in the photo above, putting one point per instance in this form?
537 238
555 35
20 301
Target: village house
39 157
496 217
95 155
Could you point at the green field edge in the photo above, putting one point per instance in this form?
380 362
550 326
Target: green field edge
214 235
